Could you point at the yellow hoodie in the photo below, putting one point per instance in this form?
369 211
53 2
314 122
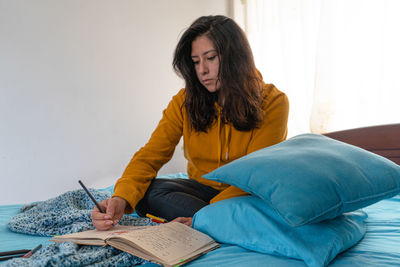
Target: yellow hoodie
204 151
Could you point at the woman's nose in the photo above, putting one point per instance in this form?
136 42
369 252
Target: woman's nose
203 68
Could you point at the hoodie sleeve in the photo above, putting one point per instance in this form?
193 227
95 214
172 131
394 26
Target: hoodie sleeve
145 163
272 130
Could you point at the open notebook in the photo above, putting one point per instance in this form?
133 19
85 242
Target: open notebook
169 244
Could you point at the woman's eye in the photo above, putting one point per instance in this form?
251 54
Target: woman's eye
195 62
211 58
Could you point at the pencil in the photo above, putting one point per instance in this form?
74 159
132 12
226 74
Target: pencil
14 252
157 219
30 253
91 197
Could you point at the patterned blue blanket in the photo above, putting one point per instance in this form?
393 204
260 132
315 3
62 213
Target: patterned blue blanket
69 213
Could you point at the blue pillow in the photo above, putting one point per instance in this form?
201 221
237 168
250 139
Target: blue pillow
310 177
249 223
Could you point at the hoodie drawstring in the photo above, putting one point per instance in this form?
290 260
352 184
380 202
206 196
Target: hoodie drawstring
221 147
227 137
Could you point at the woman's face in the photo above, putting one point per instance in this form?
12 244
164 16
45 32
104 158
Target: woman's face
206 63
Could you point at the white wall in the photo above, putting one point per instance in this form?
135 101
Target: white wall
82 86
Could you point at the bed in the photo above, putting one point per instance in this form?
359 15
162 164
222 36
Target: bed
379 245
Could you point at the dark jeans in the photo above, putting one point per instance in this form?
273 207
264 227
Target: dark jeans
171 198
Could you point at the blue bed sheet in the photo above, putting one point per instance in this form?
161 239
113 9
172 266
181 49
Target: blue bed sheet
15 241
380 246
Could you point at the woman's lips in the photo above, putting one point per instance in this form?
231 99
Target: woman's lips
208 81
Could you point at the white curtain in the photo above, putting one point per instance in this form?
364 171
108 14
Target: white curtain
337 60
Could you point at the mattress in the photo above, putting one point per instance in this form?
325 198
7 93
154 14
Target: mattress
379 247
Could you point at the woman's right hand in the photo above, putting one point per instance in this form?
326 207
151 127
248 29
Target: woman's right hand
114 210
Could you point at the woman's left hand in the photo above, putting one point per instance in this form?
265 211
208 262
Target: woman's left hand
185 220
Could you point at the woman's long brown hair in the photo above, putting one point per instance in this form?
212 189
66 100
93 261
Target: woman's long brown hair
240 82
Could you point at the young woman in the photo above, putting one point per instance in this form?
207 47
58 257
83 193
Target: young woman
224 112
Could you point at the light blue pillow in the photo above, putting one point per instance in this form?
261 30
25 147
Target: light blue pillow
310 177
249 223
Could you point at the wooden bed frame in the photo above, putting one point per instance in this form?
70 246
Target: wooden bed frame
383 140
